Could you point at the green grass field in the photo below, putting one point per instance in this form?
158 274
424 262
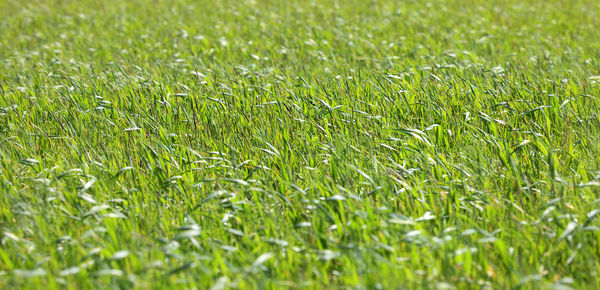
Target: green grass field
305 144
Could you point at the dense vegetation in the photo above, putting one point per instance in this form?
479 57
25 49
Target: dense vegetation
196 144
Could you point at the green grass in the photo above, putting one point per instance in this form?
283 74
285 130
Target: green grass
313 144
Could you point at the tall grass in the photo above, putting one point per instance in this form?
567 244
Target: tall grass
268 144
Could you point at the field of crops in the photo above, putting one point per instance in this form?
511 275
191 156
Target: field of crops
299 144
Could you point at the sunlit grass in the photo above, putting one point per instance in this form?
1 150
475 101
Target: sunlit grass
268 144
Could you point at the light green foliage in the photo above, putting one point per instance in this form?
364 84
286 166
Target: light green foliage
251 144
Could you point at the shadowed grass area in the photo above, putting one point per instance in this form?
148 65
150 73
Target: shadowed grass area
312 144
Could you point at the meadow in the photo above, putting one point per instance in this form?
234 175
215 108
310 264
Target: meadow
299 144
